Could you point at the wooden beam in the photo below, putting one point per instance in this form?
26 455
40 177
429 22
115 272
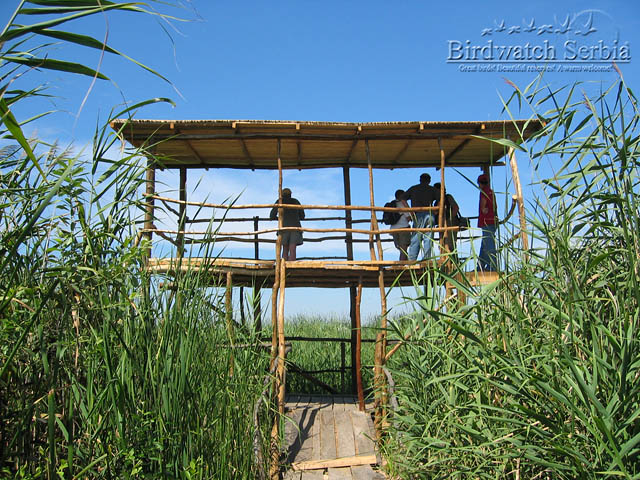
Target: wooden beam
351 149
335 463
188 144
339 137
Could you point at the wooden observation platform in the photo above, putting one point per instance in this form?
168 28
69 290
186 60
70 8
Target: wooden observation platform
278 145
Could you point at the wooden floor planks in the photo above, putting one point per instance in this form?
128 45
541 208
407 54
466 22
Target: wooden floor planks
327 437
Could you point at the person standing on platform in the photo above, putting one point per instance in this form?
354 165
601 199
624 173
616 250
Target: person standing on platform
487 259
291 217
401 239
451 210
421 195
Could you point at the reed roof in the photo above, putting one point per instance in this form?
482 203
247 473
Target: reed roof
253 143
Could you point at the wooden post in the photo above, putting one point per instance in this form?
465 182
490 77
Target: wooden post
281 340
379 380
519 198
374 218
243 320
229 317
342 364
149 201
359 347
229 306
441 205
276 280
352 290
257 295
182 220
275 338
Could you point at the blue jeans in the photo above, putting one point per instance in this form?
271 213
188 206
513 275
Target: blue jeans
423 220
487 259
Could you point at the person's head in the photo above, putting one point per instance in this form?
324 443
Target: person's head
425 178
483 180
400 195
286 193
437 185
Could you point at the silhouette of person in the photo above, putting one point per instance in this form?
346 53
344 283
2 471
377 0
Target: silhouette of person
291 217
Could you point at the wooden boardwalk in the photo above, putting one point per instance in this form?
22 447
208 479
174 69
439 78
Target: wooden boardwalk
327 437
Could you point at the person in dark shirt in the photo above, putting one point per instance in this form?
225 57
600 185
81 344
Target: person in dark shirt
421 195
290 218
451 210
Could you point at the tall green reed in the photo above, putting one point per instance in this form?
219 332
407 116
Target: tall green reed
536 377
104 372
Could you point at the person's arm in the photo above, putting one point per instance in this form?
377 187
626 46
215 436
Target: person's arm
301 213
454 207
274 213
484 203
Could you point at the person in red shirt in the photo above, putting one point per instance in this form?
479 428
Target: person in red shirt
487 259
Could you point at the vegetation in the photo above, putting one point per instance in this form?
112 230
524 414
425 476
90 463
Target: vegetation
102 373
107 373
537 375
326 356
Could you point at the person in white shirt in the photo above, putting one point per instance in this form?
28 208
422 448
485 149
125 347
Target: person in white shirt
402 239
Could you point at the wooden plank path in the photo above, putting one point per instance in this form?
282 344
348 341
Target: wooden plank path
327 437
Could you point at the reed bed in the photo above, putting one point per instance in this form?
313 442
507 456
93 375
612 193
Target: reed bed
104 373
537 375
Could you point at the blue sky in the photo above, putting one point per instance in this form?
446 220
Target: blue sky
326 61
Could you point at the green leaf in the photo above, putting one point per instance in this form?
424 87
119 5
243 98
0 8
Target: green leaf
13 126
61 65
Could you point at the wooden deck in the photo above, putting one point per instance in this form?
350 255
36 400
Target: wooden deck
327 437
310 273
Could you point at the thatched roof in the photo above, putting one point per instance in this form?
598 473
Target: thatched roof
254 143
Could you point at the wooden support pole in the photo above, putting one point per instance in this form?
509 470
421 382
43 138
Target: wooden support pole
348 222
519 198
374 219
243 320
358 356
352 290
276 280
274 470
342 365
281 372
182 209
149 208
229 306
257 295
441 204
379 378
229 317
